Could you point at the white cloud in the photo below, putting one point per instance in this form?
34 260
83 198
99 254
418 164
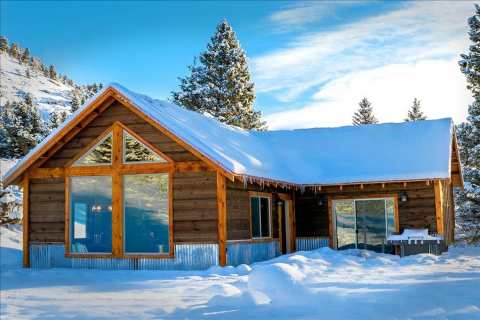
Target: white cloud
302 13
423 30
437 83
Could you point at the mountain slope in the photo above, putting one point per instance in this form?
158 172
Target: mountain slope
47 94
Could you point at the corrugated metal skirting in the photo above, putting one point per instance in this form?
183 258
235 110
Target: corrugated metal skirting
311 243
250 252
196 256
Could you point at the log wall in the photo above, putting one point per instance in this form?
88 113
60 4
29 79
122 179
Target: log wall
47 210
418 212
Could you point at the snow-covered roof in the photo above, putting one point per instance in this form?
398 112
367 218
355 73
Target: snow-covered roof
351 154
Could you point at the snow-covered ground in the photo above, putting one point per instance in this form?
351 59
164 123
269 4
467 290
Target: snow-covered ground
321 284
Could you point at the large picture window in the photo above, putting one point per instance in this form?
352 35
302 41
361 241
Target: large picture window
91 214
119 192
146 226
260 216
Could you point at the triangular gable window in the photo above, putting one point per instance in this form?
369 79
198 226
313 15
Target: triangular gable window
136 152
99 154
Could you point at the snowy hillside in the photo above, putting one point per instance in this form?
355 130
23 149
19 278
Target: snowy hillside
48 94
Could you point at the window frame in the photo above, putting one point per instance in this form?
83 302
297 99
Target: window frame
146 254
333 216
117 169
253 194
151 148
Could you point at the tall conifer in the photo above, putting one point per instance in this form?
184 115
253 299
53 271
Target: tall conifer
220 84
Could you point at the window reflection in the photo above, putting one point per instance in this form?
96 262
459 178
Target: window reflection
91 216
100 154
146 213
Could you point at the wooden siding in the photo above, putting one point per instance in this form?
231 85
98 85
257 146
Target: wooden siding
417 212
195 207
448 211
46 210
117 112
238 210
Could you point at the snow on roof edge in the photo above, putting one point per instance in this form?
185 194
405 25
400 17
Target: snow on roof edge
133 96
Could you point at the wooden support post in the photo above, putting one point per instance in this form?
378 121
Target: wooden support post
26 229
117 193
26 220
280 224
293 225
439 206
222 219
330 223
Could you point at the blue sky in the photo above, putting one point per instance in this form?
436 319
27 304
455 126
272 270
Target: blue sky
311 61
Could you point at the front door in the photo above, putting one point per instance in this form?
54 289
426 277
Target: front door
285 220
364 223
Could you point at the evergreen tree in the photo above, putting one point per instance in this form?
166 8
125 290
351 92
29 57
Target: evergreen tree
56 118
3 44
21 128
14 51
364 114
221 84
468 199
27 73
74 103
52 73
25 56
415 114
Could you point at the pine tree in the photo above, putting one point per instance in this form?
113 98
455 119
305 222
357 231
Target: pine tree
364 114
21 128
27 73
52 73
468 199
25 56
14 51
415 114
56 118
3 44
220 84
74 103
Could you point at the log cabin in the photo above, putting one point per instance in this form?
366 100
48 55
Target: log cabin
130 182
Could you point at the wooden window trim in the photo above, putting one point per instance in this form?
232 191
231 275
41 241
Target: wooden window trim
255 194
117 170
332 232
89 146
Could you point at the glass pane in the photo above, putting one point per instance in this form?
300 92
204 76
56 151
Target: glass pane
371 224
390 203
135 151
100 154
345 224
146 213
255 210
91 214
265 211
